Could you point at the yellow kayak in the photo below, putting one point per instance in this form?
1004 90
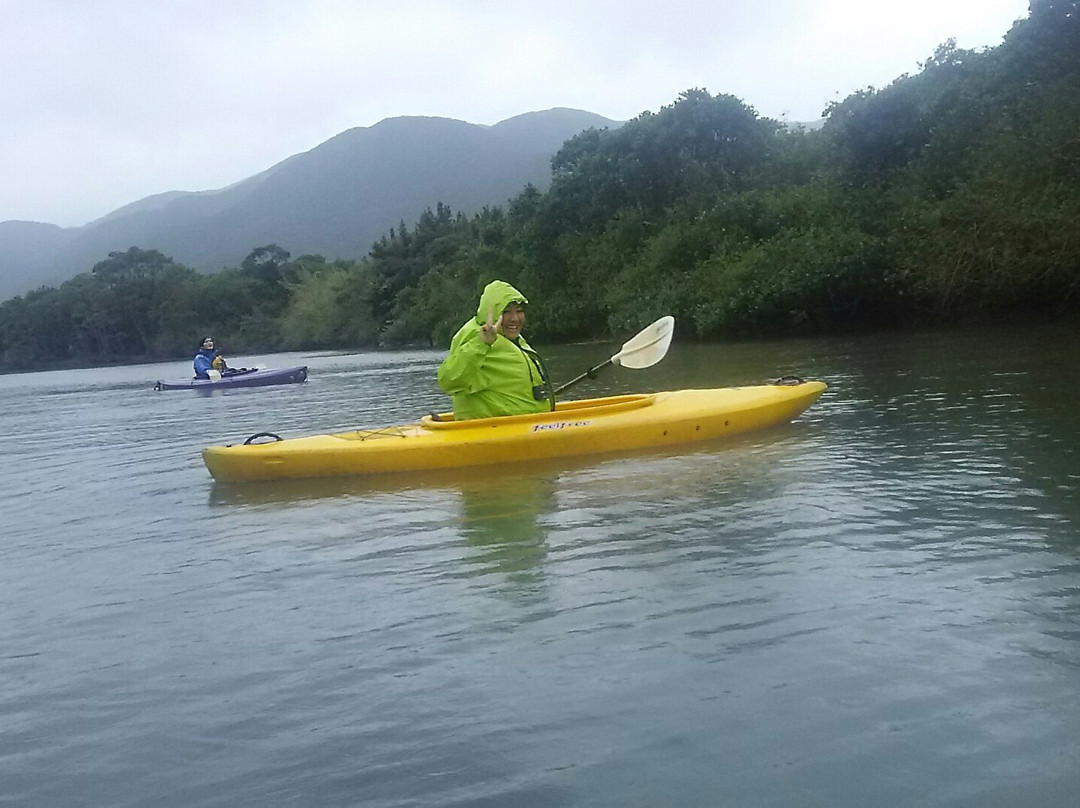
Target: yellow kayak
589 426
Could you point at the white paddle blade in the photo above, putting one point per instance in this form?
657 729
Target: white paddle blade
648 347
215 375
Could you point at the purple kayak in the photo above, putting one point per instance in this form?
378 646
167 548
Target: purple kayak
242 377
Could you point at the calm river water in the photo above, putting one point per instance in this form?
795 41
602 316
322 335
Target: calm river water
877 605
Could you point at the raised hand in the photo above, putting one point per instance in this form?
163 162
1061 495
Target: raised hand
489 331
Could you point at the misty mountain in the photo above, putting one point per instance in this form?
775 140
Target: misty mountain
335 200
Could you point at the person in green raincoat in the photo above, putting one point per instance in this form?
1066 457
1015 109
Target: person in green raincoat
491 369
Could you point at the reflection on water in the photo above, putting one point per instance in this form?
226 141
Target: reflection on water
502 522
500 514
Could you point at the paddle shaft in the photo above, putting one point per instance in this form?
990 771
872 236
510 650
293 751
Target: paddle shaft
588 374
646 349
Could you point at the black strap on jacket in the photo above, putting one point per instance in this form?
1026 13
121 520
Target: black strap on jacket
544 389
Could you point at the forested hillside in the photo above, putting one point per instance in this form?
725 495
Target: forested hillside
335 199
952 195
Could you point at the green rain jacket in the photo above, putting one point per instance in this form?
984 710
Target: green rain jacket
488 380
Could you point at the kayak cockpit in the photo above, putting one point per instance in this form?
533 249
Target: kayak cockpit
591 406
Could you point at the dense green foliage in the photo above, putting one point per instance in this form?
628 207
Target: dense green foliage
952 195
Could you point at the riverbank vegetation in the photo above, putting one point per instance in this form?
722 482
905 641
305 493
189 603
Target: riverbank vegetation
950 196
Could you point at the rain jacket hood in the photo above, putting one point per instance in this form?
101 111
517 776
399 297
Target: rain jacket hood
489 380
496 297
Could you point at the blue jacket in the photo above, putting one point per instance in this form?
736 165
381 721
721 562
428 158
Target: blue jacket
204 360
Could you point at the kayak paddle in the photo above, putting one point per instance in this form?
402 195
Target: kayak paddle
643 350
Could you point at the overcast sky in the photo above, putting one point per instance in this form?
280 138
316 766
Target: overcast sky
103 102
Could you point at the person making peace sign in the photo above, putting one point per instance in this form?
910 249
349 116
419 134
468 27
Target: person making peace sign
491 369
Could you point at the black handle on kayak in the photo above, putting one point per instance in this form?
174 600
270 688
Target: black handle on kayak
258 435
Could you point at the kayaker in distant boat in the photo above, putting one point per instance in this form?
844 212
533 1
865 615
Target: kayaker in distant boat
208 359
492 370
